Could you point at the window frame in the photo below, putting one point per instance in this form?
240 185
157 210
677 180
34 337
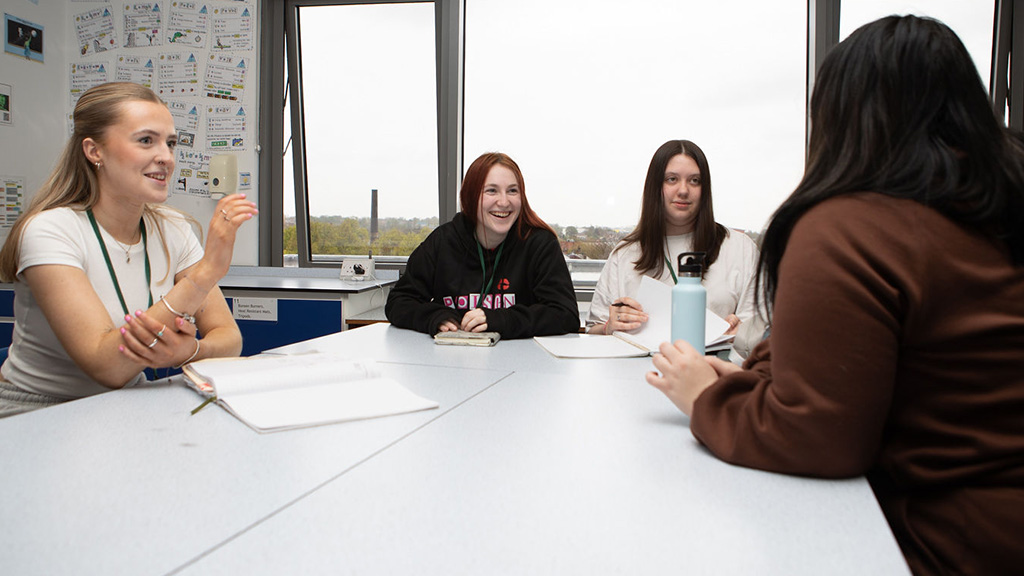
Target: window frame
281 44
449 18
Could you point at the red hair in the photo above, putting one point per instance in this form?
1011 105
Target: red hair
473 187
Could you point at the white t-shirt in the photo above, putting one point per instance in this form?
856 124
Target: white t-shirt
36 360
729 281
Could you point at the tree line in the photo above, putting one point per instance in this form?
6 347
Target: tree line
340 235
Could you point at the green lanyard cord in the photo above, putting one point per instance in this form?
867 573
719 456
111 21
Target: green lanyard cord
110 267
486 287
671 271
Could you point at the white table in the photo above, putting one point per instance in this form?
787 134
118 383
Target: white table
129 482
531 465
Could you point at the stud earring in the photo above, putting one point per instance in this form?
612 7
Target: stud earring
99 165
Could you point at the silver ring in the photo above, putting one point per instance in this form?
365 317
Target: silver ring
153 343
160 334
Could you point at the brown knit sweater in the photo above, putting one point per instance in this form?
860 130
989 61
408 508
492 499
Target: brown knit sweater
897 351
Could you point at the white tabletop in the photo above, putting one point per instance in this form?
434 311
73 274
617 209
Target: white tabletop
129 482
532 465
383 341
561 476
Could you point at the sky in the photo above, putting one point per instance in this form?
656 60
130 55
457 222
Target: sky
580 93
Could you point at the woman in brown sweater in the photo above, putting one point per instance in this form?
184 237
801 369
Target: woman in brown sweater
895 275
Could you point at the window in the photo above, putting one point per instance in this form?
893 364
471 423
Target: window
972 22
397 96
368 95
582 92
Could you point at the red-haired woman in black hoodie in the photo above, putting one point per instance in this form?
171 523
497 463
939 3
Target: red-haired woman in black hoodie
495 267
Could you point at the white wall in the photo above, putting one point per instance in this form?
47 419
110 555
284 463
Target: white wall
41 104
30 146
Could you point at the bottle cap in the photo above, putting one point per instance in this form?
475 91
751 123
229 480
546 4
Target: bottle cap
691 264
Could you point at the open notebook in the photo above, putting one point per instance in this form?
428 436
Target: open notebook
656 298
281 392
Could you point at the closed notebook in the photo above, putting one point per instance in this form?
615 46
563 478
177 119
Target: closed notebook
463 338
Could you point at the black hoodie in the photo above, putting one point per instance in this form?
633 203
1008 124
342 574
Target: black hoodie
530 293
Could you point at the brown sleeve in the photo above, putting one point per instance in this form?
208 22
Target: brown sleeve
815 396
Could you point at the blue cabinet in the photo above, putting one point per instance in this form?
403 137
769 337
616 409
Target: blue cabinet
6 317
297 320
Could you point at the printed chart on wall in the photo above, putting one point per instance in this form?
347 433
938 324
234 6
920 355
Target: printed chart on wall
6 114
10 202
199 57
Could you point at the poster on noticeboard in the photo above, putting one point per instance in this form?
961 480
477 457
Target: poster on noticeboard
5 105
23 38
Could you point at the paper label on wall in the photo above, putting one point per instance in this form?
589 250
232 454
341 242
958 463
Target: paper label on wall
225 128
191 173
10 201
232 28
188 24
85 76
186 121
137 69
261 309
178 75
95 30
6 114
142 22
225 77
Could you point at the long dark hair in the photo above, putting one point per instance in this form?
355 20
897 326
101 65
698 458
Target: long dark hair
899 109
650 231
473 187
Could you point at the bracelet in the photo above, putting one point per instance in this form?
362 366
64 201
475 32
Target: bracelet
188 317
194 354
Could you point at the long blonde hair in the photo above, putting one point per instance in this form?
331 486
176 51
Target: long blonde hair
73 181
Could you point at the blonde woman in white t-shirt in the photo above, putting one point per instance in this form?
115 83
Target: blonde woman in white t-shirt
108 281
677 216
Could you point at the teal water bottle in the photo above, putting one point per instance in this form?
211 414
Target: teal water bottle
689 301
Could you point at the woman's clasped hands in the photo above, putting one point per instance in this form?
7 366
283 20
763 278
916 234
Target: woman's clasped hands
155 344
474 320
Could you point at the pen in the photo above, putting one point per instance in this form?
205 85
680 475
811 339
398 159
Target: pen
203 405
619 304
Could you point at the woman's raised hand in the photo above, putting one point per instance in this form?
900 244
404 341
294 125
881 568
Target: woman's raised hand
231 212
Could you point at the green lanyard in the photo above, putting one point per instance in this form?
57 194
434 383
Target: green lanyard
110 267
485 288
671 271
